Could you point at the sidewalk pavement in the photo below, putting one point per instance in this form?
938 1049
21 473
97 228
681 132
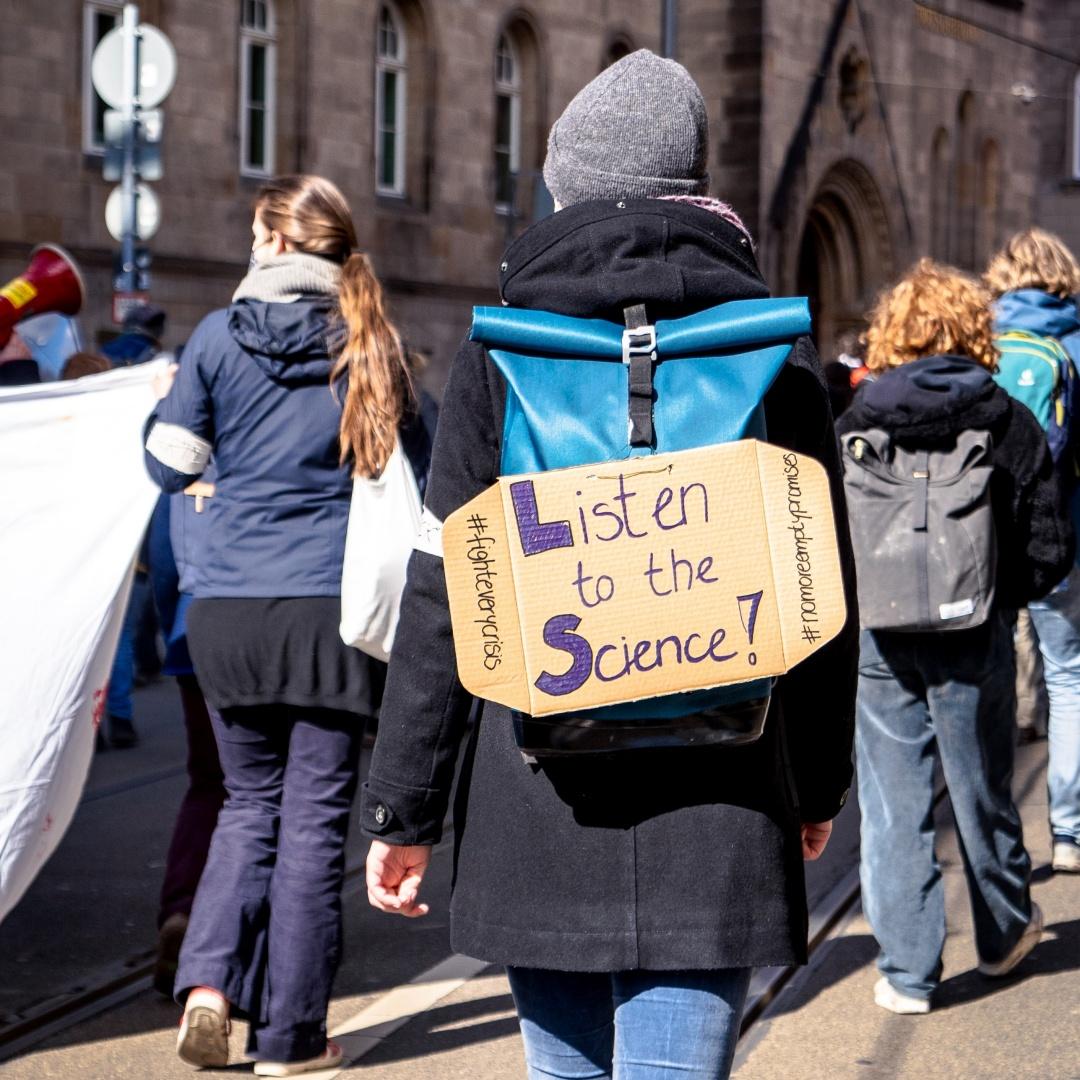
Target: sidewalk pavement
456 1020
825 1025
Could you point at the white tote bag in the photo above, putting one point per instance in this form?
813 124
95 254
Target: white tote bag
384 518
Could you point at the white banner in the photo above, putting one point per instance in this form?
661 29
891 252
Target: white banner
74 502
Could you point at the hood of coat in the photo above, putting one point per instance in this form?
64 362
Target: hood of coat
292 343
1036 311
928 399
596 258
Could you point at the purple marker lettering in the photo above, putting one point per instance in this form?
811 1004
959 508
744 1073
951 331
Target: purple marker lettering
536 536
557 634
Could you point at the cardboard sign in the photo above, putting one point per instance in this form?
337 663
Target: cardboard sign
631 579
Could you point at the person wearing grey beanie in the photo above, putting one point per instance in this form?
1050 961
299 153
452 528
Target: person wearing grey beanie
639 130
628 892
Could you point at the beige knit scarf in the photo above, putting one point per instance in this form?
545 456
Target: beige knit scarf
283 279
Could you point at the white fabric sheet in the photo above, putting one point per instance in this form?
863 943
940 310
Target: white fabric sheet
74 502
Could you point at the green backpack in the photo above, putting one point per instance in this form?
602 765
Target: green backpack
1036 370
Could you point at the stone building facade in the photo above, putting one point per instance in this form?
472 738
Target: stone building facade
853 135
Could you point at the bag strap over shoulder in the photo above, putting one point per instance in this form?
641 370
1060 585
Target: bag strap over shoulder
1022 338
920 473
639 354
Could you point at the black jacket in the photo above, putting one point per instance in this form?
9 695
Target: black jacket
682 858
928 402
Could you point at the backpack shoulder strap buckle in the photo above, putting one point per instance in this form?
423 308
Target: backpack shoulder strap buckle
639 355
638 341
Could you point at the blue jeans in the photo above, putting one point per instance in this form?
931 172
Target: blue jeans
631 1025
122 676
265 926
1057 623
922 696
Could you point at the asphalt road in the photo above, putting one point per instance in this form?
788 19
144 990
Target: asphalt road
90 918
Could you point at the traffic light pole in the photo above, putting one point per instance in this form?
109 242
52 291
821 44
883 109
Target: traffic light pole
129 187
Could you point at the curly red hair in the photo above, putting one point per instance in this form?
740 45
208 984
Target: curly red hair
932 311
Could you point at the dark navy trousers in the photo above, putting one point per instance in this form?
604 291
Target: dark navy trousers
265 927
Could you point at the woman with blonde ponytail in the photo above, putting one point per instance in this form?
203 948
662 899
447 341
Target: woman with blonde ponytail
302 383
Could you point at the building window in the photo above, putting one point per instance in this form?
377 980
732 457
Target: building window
989 200
507 123
257 97
940 189
965 185
98 19
390 104
1076 128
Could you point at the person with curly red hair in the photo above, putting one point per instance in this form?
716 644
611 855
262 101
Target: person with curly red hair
943 693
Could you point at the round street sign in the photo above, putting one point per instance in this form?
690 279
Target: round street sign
149 213
157 67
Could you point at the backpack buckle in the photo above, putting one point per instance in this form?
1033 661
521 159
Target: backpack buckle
638 341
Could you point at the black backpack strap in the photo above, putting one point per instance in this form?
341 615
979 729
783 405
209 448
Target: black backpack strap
921 476
639 354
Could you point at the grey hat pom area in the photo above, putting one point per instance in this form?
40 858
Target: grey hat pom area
639 130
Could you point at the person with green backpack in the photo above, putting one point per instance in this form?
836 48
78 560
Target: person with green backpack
629 869
1035 279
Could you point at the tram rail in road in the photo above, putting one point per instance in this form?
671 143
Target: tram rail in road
133 977
117 796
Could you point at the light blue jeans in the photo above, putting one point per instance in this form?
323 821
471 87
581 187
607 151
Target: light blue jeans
1057 622
122 677
630 1025
923 696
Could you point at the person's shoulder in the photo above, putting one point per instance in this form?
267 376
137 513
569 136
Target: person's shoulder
210 341
212 325
1014 417
1019 438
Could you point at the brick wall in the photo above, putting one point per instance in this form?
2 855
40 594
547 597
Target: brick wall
782 134
438 249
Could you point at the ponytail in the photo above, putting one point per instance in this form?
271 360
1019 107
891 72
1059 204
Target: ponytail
377 369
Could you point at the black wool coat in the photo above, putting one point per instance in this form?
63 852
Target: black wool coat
667 859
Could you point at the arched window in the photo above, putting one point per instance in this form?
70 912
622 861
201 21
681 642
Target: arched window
507 122
989 199
390 102
965 170
1076 128
939 188
257 87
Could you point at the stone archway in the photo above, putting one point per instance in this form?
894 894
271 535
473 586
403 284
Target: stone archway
845 254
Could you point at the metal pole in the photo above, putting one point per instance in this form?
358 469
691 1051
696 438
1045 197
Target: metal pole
669 28
131 121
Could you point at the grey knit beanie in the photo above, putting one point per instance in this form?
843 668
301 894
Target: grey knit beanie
638 130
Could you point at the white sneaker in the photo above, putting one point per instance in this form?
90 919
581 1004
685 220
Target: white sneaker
1066 857
204 1031
888 997
1028 940
330 1058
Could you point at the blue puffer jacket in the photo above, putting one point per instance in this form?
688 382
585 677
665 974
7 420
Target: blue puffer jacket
253 390
1040 313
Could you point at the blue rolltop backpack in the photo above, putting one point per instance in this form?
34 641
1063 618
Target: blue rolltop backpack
580 391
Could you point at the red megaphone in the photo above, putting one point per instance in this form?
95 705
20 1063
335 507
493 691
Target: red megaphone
51 282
